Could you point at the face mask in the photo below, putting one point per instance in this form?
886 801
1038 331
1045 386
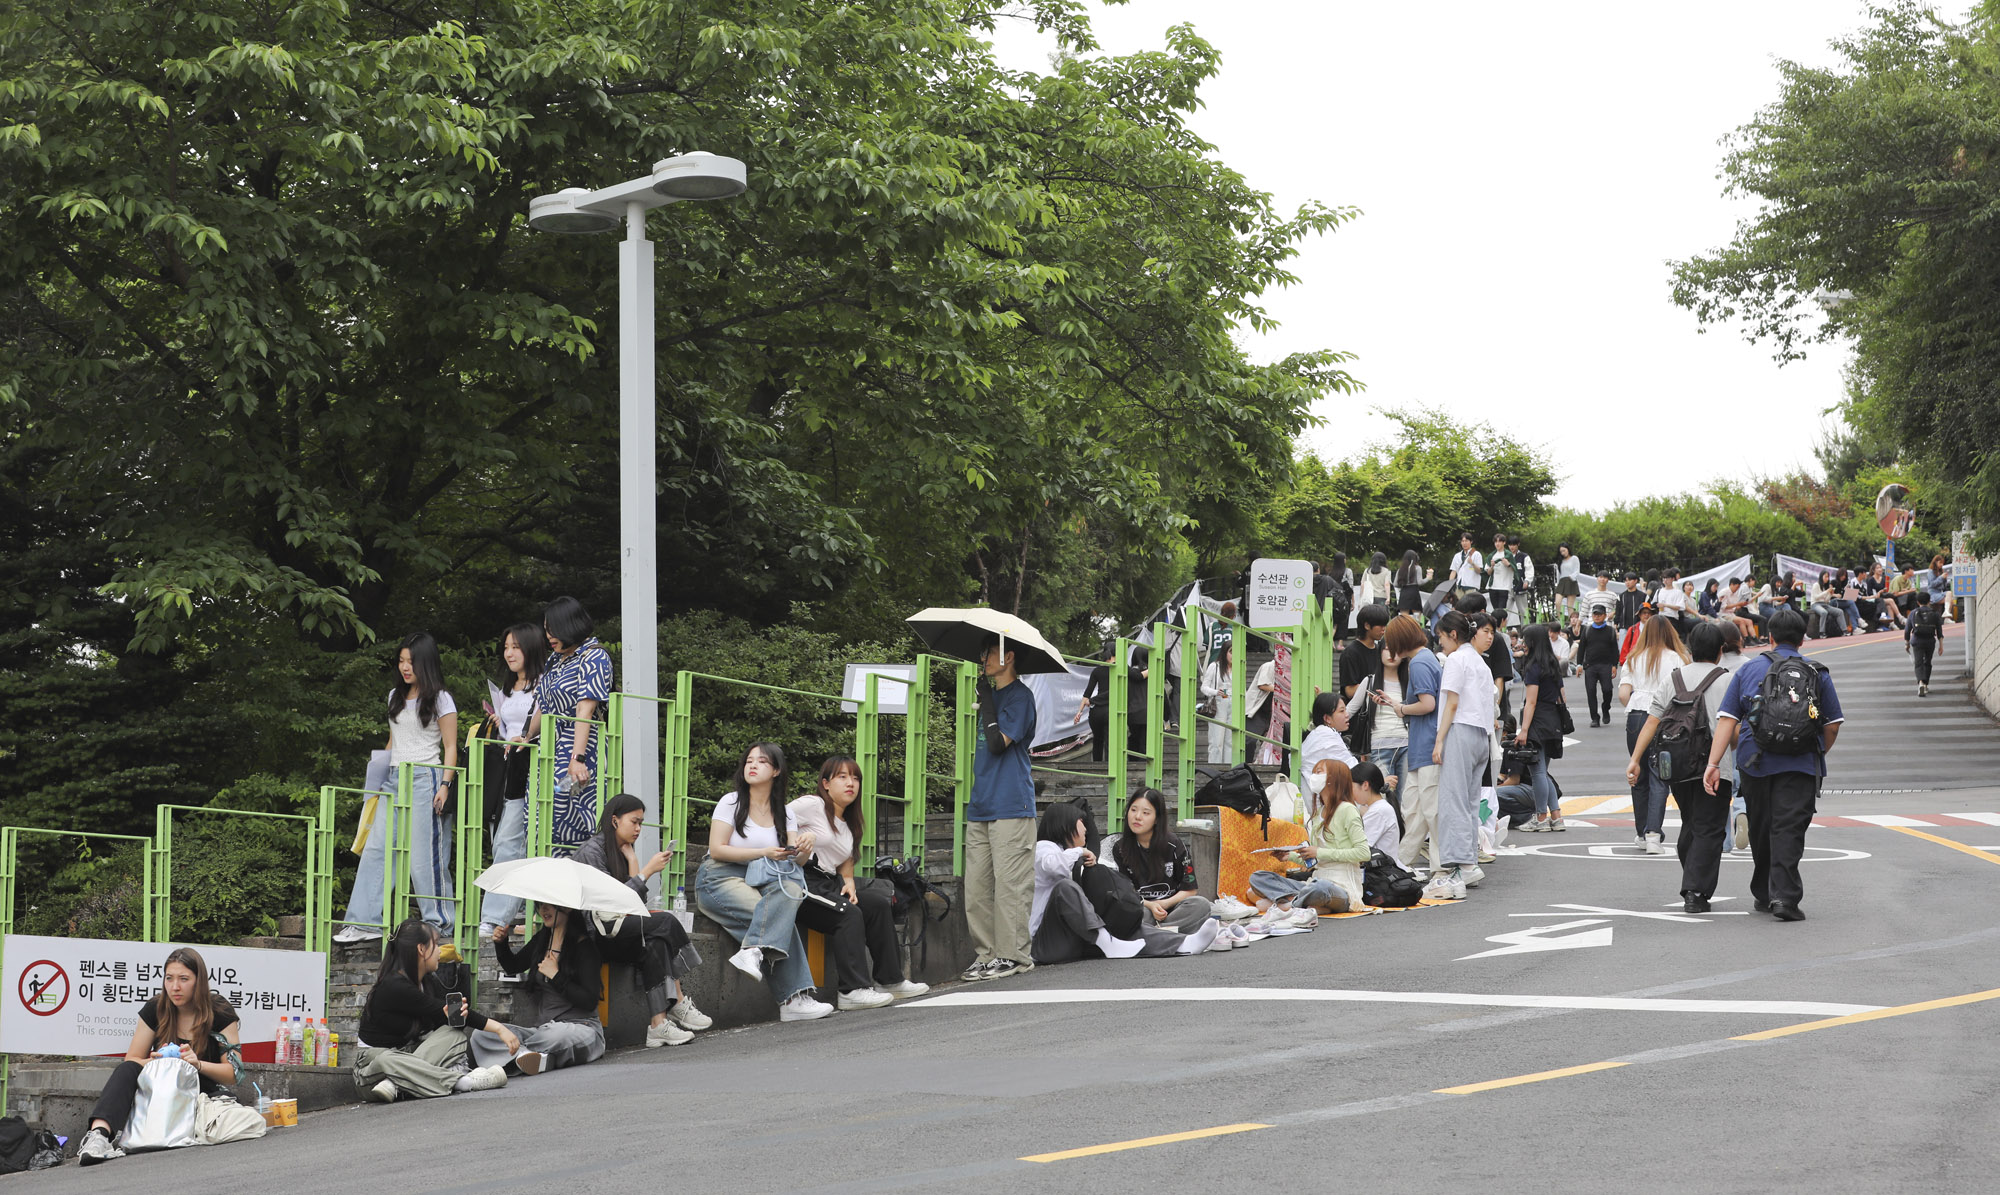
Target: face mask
1315 781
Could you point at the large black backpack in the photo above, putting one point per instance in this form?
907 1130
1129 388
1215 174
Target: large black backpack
1385 885
1785 717
1927 622
1685 733
1240 789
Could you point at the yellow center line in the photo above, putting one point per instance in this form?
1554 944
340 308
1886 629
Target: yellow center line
1900 1010
1974 851
1537 1077
1142 1142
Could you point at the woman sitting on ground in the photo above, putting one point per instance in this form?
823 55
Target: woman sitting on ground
1335 843
1159 864
862 928
656 944
1380 820
1325 740
750 825
408 1046
555 1006
204 1027
1063 923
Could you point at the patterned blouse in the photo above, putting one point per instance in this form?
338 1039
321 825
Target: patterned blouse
583 675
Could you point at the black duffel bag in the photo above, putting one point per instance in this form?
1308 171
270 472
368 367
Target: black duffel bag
1385 885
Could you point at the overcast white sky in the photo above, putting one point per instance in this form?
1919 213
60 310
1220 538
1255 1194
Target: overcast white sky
1524 173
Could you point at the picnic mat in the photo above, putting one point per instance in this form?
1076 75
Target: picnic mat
1240 835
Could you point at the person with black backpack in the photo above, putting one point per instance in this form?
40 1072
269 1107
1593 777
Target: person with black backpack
1921 632
1789 706
1680 733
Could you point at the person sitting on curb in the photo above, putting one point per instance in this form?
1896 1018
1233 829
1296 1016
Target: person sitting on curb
860 926
204 1029
1336 846
753 826
1379 817
555 1006
415 1038
657 944
1065 926
1326 738
1159 865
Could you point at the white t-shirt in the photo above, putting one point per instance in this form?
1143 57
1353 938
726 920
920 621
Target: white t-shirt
1465 567
1390 729
514 711
1570 567
1267 674
411 743
754 836
833 842
1378 822
1671 598
1323 742
1735 599
1503 573
1466 674
1648 683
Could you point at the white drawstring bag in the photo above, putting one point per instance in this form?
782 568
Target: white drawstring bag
163 1112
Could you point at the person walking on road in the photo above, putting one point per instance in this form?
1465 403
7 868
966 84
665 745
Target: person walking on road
1704 814
1597 650
1648 674
1921 632
1793 715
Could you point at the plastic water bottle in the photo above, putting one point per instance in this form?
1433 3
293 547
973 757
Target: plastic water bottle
682 913
298 1042
308 1055
281 1043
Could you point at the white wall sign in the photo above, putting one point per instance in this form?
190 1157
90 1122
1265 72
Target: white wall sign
892 692
1279 591
81 995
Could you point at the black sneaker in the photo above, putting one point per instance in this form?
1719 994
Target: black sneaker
1001 968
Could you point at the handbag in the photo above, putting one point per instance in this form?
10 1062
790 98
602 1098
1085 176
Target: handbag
219 1120
163 1111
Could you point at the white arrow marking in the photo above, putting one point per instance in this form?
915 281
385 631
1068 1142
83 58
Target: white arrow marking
1524 941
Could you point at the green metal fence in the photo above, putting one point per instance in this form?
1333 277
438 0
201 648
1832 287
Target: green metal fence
318 870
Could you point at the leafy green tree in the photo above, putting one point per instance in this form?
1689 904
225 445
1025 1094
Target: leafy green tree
1877 181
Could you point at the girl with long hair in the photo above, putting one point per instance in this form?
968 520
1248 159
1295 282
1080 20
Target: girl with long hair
1064 923
859 925
1646 676
1541 723
423 732
752 828
555 1002
1410 581
1569 585
415 1037
524 652
1378 584
656 944
1337 846
204 1026
1159 864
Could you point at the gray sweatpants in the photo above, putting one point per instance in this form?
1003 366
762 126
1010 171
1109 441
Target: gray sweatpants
1187 916
426 1070
1070 926
562 1043
1465 755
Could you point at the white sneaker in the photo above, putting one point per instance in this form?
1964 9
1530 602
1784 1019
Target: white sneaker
97 1147
1639 840
1305 918
529 1062
1741 852
1470 876
484 1078
383 1092
1654 846
865 998
1444 886
687 1016
803 1007
750 961
354 933
906 989
1224 940
1229 908
1241 937
666 1033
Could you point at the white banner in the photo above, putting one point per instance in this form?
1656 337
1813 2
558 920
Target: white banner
1057 698
1279 591
1739 567
82 995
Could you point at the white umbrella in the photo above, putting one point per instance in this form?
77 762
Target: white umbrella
959 632
562 882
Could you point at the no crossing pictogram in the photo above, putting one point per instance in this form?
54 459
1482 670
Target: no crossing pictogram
44 988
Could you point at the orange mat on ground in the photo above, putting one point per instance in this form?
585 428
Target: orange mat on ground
1371 910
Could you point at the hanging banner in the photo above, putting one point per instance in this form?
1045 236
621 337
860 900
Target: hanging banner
81 995
1059 714
1739 567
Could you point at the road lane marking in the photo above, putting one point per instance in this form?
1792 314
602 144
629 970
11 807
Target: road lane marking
989 999
1878 1014
1537 1077
1143 1142
1974 851
1547 937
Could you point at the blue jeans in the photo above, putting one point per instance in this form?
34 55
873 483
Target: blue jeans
757 917
1544 789
1392 761
430 860
1649 796
510 841
1304 894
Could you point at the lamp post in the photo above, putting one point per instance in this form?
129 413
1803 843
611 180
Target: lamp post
692 176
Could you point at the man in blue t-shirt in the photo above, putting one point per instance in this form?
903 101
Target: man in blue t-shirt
1000 822
1779 791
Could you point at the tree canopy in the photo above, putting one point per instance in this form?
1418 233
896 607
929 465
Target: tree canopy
1877 179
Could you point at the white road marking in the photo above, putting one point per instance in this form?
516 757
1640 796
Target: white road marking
1991 819
988 998
1527 941
1885 819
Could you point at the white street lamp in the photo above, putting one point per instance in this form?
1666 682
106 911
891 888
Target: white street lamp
690 176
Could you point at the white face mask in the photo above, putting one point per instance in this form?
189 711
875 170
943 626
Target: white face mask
1315 781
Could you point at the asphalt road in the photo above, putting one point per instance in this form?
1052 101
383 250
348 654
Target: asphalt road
1564 1029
